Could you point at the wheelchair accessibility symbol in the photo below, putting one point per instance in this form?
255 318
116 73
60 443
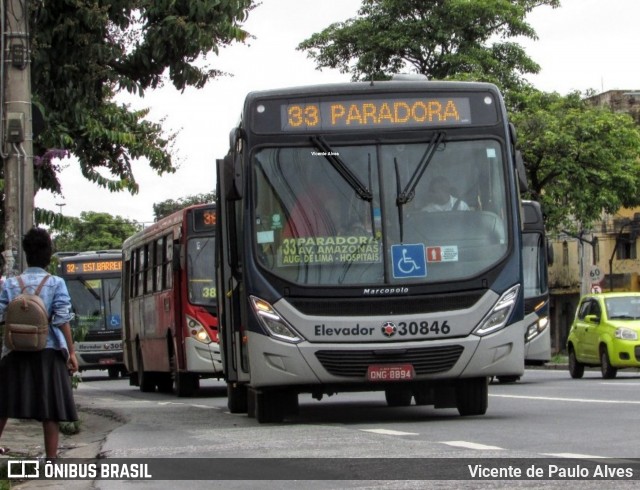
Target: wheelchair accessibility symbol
409 260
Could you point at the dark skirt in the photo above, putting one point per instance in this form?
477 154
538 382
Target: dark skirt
36 385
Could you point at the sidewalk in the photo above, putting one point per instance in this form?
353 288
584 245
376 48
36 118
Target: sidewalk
25 440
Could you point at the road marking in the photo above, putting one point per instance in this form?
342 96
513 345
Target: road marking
472 445
389 432
619 383
572 455
560 399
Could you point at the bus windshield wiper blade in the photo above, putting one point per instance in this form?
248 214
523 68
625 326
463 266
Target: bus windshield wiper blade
407 194
342 168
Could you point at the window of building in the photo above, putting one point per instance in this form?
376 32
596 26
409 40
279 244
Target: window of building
626 247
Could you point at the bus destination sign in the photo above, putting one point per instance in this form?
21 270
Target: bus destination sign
204 219
93 267
383 113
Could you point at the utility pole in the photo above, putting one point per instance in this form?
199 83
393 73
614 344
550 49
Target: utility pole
17 130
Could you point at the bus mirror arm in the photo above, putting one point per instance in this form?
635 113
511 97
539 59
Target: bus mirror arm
521 171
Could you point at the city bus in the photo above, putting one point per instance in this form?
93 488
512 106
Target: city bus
94 283
536 257
341 267
170 333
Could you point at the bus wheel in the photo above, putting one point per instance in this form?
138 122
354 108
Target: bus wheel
146 380
423 396
113 371
508 379
271 405
186 384
164 382
472 396
398 397
237 398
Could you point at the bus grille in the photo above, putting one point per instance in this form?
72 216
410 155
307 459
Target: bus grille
425 360
405 305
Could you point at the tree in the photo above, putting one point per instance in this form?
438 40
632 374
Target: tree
85 52
580 159
437 38
165 208
93 231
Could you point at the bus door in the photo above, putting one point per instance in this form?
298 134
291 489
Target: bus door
232 339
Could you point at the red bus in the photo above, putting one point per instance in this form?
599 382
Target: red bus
170 324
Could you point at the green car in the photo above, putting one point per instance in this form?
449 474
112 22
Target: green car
605 333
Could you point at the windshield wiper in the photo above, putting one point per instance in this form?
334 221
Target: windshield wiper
409 191
334 159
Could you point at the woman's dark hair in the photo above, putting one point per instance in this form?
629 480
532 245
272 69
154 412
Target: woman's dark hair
37 247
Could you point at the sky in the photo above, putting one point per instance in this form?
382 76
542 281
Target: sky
584 44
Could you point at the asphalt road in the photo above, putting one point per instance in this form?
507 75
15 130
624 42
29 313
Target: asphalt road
546 419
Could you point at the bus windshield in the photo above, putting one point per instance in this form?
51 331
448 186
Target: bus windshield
354 215
87 298
201 270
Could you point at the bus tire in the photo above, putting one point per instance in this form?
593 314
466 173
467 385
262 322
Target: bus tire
268 407
146 381
186 384
398 397
164 382
472 396
237 398
113 371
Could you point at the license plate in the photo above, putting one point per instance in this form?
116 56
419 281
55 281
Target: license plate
390 372
107 361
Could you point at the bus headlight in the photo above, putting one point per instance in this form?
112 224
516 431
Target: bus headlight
499 315
626 334
197 330
536 328
275 325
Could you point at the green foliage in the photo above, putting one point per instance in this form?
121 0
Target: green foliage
84 53
165 208
93 231
440 39
580 159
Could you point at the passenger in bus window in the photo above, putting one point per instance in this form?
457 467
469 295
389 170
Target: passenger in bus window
440 197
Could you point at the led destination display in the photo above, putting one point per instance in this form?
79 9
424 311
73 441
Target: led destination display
384 113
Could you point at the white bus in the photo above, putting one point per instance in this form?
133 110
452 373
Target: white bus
369 238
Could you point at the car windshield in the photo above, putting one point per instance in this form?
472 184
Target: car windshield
623 308
380 213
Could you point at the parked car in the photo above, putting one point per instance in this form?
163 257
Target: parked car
605 333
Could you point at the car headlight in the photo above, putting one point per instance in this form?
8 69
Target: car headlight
536 328
197 330
499 315
275 325
626 334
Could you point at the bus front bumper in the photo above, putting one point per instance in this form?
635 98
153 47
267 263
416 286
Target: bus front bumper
312 364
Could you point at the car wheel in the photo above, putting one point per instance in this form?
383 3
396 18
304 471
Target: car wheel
576 368
608 371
